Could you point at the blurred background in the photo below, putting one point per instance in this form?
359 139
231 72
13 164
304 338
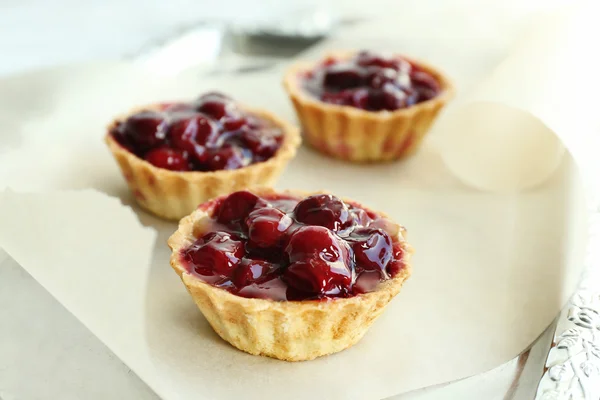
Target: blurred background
44 33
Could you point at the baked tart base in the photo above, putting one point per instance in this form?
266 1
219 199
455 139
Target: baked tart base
358 135
286 330
173 195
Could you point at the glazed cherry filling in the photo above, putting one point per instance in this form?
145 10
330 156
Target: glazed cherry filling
371 82
211 133
286 248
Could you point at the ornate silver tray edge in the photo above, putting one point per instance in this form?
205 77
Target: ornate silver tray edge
572 369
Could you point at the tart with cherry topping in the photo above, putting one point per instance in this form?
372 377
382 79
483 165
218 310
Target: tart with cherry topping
175 156
366 107
290 275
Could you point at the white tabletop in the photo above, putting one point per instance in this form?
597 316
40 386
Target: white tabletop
45 352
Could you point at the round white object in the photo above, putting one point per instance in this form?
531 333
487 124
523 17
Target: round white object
499 148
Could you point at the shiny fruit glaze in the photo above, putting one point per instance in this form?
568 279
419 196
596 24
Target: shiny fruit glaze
209 134
371 82
282 247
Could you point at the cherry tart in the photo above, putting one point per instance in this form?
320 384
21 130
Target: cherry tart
366 107
175 156
287 274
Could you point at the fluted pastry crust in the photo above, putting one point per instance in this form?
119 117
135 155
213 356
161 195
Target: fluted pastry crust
358 135
173 195
286 330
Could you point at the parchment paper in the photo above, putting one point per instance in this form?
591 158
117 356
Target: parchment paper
491 270
541 96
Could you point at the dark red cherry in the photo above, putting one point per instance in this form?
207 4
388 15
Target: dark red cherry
316 276
340 77
215 252
324 210
360 216
368 59
234 123
372 249
285 204
227 157
397 263
167 158
198 129
308 241
211 133
319 261
360 98
425 85
372 82
257 250
216 105
237 206
270 287
252 270
378 77
388 98
367 281
145 130
254 122
118 134
189 134
350 97
267 227
412 96
343 98
262 143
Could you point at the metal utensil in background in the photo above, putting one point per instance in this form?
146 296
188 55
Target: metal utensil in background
210 43
259 41
186 47
241 46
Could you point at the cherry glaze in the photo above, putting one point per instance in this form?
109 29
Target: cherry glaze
286 248
209 134
371 82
